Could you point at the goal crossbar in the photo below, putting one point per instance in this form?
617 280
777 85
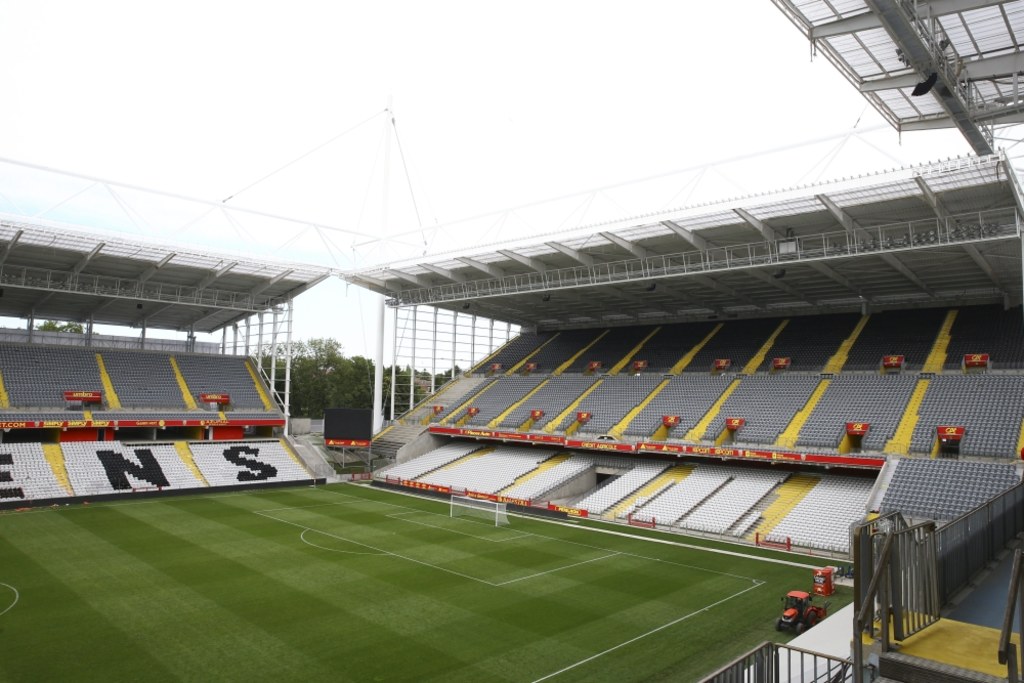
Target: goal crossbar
477 508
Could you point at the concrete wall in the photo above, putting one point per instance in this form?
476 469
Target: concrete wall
574 488
299 425
424 443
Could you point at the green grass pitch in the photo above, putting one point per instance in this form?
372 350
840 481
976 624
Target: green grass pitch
350 583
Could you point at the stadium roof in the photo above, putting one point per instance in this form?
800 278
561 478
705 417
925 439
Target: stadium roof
925 64
48 271
936 234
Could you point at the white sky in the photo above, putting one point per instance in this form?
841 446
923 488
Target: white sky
496 106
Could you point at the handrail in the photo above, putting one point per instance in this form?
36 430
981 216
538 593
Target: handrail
880 570
1008 651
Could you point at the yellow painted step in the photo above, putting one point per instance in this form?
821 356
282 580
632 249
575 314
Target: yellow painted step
515 368
543 467
550 426
836 363
751 367
683 362
505 413
108 387
789 436
383 432
1020 439
466 404
672 475
697 433
186 393
959 644
466 458
185 453
790 493
900 441
55 457
294 456
433 400
617 368
268 405
618 430
5 400
567 364
937 356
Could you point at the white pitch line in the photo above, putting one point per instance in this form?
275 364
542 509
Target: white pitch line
302 537
17 596
556 569
651 632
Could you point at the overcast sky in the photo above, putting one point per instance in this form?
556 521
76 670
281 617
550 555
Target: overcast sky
495 105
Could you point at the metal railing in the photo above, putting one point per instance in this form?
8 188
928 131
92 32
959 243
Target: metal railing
775 663
1008 653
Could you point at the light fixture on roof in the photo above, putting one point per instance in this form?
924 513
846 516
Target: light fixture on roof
546 297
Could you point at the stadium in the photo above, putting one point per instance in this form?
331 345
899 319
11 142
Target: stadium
772 437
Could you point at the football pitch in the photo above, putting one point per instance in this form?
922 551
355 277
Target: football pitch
350 583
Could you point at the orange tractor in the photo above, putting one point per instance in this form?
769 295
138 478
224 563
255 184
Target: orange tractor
799 612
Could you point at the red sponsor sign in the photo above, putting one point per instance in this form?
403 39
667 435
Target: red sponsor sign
780 363
473 411
722 363
639 365
496 435
423 486
975 360
893 361
214 398
530 367
734 423
347 442
857 428
536 414
84 396
670 420
950 432
646 523
583 417
495 367
593 365
521 502
572 512
438 410
723 451
601 445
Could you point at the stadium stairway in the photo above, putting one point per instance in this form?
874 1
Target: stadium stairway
948 651
697 433
669 477
55 457
900 441
788 496
466 400
286 445
387 442
109 394
755 362
186 393
493 424
683 362
937 356
618 430
557 459
185 453
575 424
791 433
837 361
268 405
617 368
452 392
574 357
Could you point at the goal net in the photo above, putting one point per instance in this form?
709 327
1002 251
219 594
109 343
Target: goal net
474 508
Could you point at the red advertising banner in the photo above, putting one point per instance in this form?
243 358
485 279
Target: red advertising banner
84 396
670 420
572 512
495 367
893 361
601 445
857 428
214 398
348 443
724 451
438 410
496 435
584 417
530 367
722 363
780 363
734 423
593 365
975 360
473 411
639 365
425 486
950 432
536 414
99 424
647 524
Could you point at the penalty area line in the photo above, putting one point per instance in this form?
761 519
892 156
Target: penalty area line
623 644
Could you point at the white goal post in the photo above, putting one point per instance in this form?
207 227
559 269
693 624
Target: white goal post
464 506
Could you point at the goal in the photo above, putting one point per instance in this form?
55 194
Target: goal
474 508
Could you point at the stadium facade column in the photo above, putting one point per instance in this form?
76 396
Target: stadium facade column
433 353
455 322
412 353
378 369
394 358
288 365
